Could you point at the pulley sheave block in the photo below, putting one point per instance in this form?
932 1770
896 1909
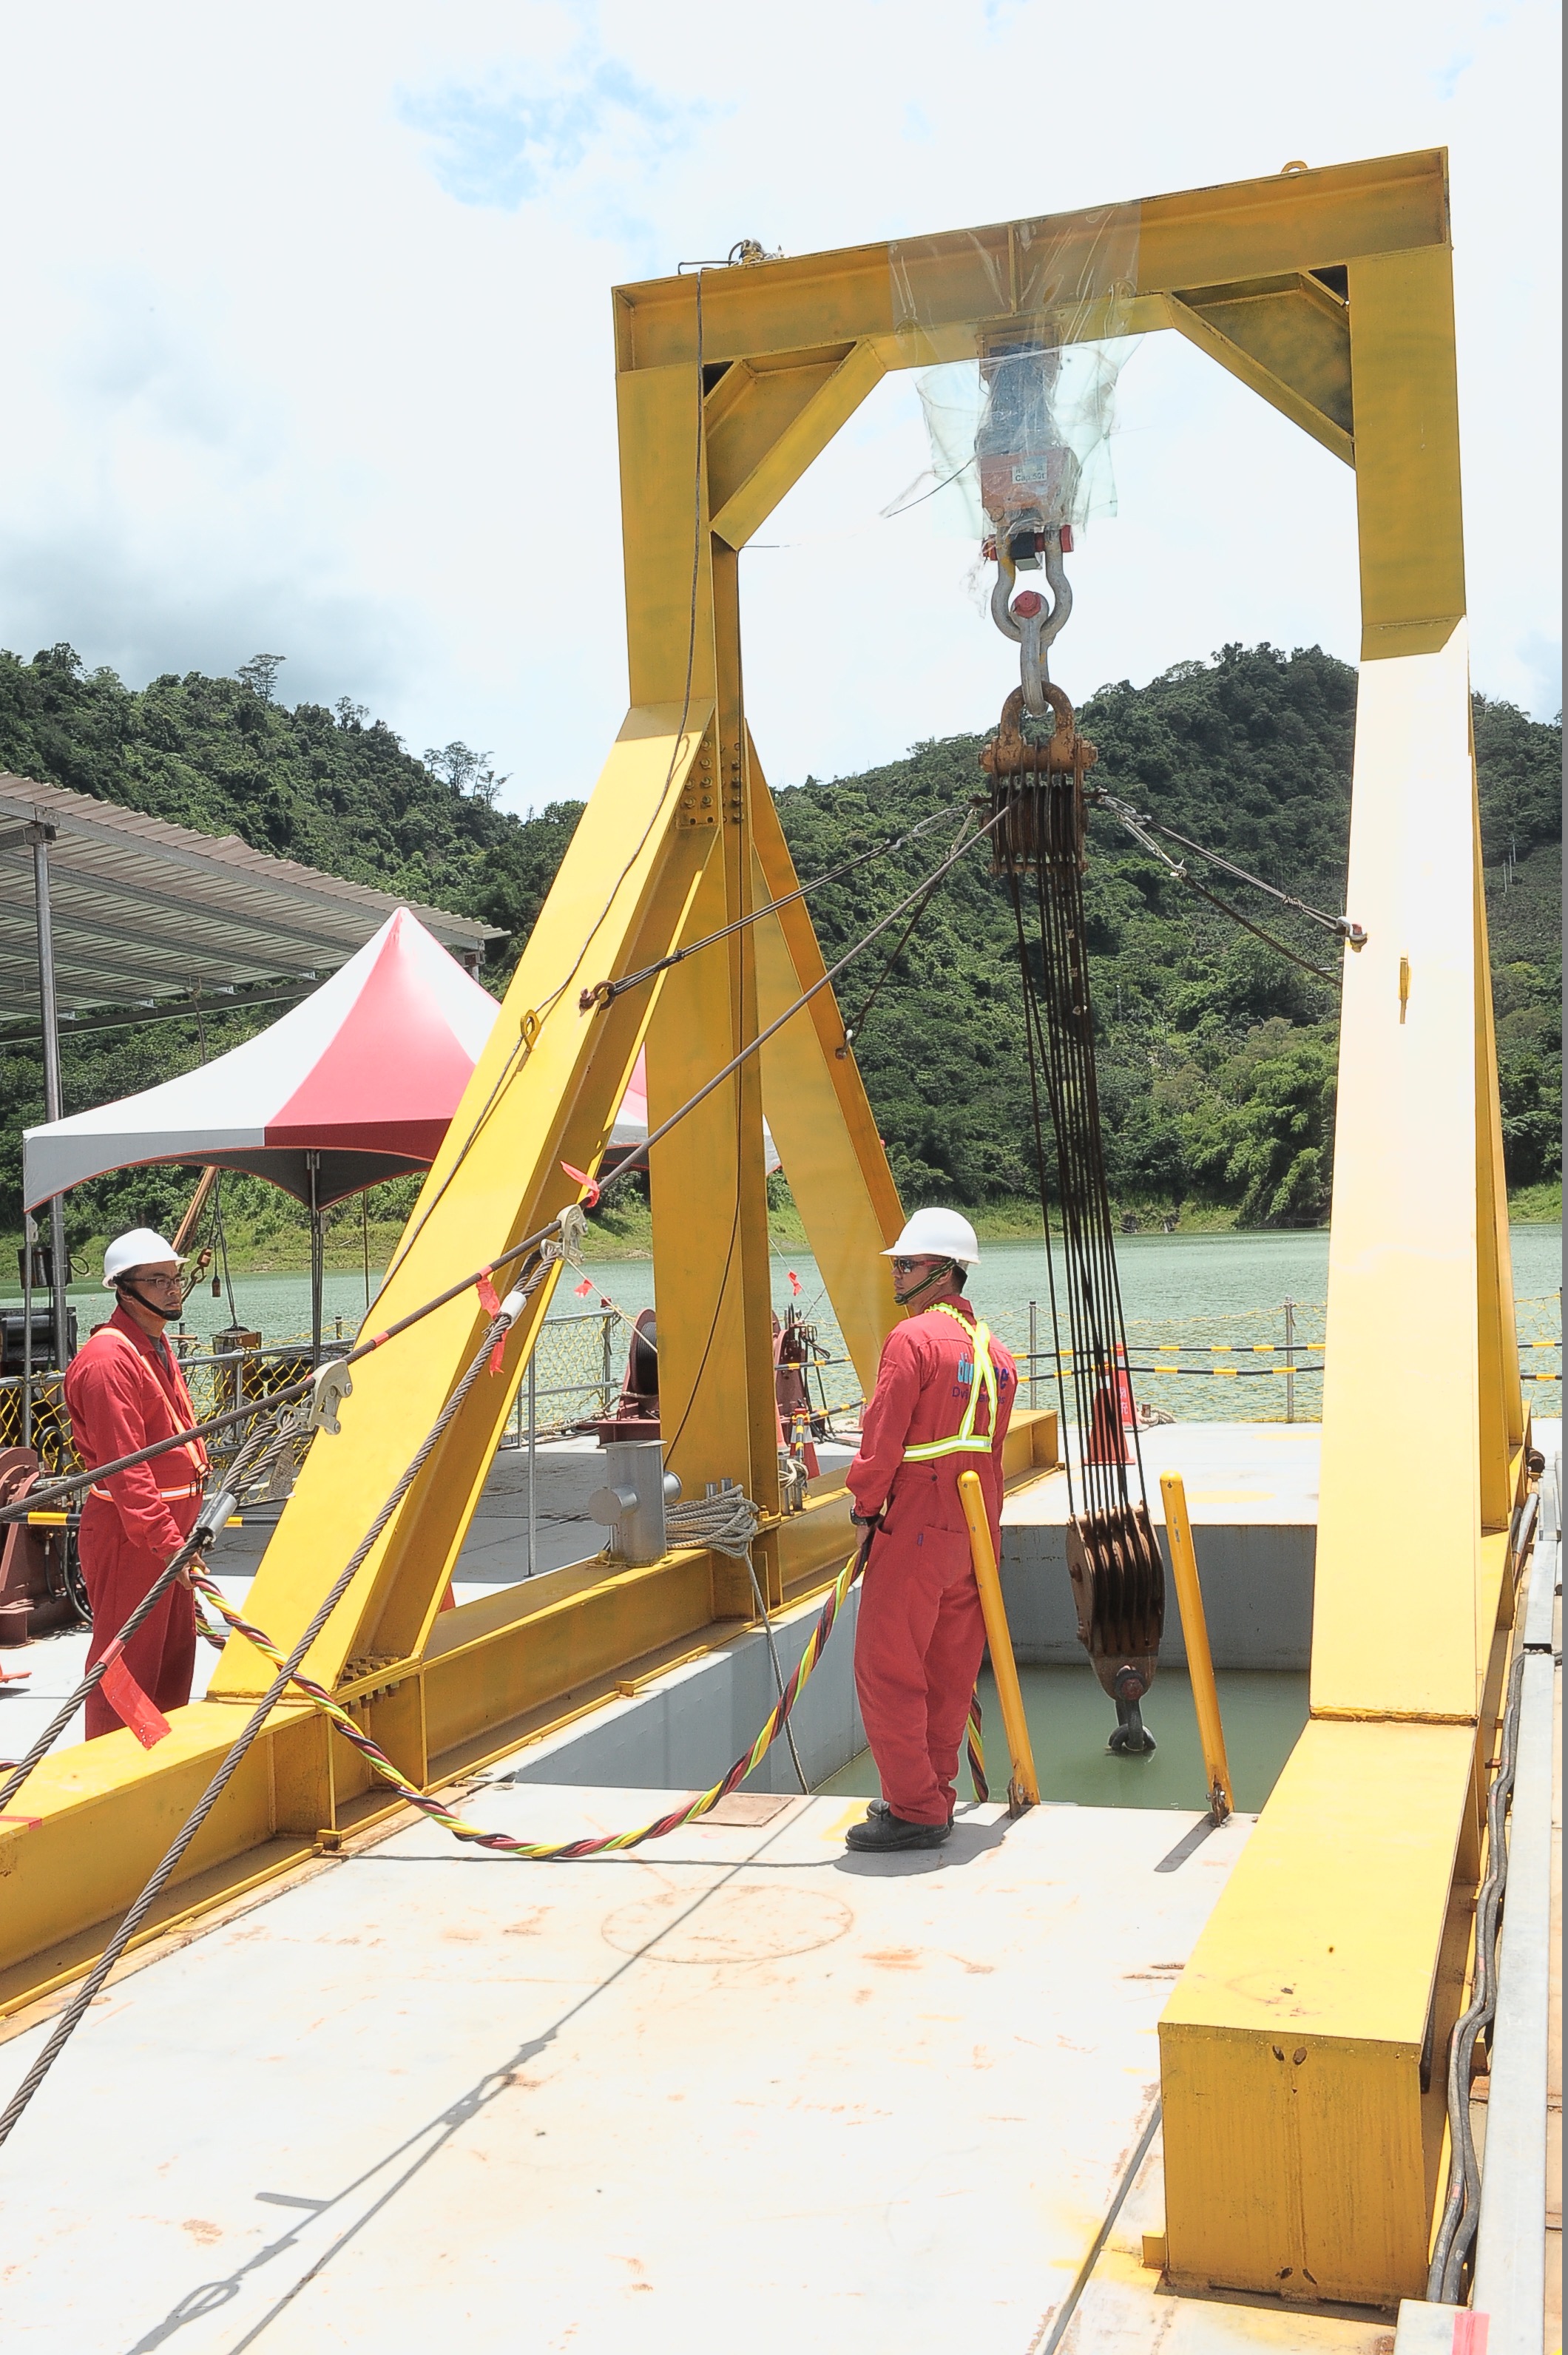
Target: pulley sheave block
1118 1588
1037 787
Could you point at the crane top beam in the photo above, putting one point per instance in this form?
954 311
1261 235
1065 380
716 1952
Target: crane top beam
969 279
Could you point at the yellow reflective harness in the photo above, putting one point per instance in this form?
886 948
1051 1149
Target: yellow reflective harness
964 1441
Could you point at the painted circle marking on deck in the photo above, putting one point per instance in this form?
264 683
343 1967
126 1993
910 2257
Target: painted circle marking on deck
733 1926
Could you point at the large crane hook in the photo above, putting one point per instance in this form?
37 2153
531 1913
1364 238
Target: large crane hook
1033 625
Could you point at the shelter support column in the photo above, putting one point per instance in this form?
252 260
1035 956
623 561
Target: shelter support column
40 837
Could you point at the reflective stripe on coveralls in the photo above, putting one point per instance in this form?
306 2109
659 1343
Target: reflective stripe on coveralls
964 1441
921 1632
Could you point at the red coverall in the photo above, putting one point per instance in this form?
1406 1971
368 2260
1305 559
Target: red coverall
124 1390
921 1635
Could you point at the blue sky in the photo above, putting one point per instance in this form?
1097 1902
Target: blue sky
310 349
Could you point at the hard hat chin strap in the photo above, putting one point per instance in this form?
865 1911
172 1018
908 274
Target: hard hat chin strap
939 1274
151 1307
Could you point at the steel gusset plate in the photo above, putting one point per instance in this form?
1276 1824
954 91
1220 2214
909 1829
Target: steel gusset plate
1118 1586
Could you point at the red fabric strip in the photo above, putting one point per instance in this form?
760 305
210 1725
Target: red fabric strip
583 1179
130 1703
491 1305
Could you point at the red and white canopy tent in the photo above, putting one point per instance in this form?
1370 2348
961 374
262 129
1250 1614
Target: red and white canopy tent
356 1084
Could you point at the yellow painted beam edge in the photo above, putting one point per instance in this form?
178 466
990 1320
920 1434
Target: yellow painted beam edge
820 417
1279 395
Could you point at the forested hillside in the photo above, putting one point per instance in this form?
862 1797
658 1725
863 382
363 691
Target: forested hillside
1217 1055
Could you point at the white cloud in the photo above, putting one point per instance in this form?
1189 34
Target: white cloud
310 339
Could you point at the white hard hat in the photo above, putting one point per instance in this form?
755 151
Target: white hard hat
937 1234
139 1248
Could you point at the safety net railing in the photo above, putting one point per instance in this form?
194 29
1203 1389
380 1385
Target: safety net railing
1245 1364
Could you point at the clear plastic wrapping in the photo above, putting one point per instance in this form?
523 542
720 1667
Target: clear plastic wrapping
1023 429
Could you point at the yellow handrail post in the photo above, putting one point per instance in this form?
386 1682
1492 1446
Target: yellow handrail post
1200 1662
1023 1791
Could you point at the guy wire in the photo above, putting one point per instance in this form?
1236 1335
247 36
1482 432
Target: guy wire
287 1393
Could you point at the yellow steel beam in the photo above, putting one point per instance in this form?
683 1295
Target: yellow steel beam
619 899
821 1120
1401 1249
1302 2052
967 280
787 418
1410 524
1306 2102
1288 341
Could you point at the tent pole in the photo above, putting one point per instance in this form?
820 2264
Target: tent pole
40 837
313 1162
29 1246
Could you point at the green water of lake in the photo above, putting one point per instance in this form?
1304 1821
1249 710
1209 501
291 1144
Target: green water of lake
1069 1718
1224 1289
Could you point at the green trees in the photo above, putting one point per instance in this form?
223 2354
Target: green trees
1217 1056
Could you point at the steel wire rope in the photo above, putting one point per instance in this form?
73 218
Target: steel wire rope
1031 1017
727 1523
1135 825
288 1394
1340 925
852 1029
1063 1110
1070 1037
76 2010
605 993
178 1562
1461 2211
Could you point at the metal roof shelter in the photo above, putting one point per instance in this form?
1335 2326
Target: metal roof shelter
126 910
140 909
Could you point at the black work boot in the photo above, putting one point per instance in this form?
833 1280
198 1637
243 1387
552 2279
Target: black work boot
881 1807
883 1834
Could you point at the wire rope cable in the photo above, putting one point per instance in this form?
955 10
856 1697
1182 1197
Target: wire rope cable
288 1394
81 2002
1138 825
1461 2210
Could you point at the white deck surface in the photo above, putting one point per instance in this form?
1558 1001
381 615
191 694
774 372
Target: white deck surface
739 2088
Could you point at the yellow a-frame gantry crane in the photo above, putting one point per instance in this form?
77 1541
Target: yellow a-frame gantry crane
1303 2102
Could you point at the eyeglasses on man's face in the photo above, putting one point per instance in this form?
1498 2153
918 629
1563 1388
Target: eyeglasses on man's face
908 1266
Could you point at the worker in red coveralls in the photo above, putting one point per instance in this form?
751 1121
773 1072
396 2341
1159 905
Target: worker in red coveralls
944 1393
124 1390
